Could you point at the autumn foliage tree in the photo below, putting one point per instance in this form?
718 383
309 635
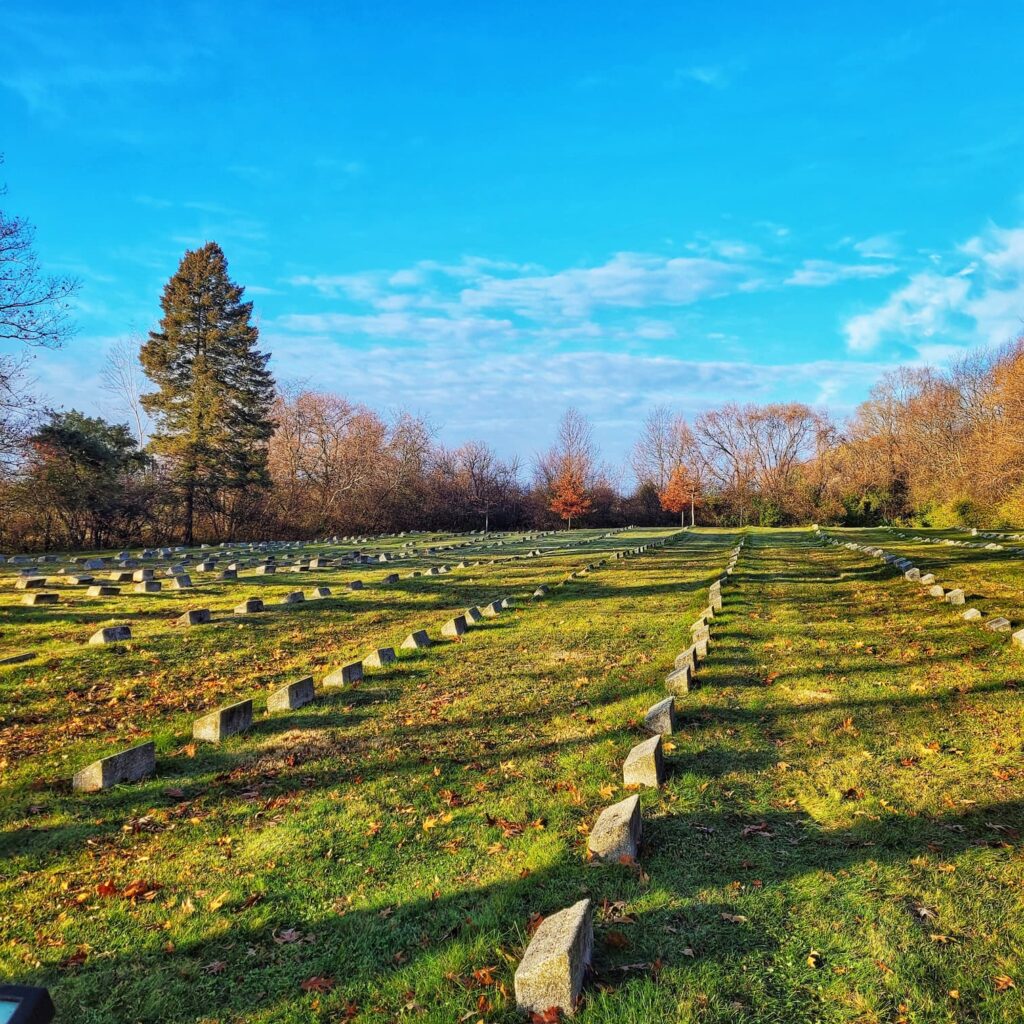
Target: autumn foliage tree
681 492
569 498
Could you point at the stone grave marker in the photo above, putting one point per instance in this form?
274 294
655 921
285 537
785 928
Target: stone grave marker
100 590
195 617
380 658
111 635
615 836
661 717
454 627
292 695
344 676
249 607
644 764
551 972
224 722
416 640
129 765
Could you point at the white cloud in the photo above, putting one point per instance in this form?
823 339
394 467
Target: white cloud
978 303
878 247
819 273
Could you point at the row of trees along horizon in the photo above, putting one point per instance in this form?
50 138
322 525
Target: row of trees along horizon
212 448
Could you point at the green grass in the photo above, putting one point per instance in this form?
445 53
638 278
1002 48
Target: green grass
838 839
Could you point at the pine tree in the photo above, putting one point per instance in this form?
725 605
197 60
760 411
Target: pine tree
212 406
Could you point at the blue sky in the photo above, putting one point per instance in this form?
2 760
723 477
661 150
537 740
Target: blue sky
485 213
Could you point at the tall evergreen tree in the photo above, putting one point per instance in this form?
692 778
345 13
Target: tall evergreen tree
212 406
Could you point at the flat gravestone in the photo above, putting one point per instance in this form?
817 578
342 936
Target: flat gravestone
111 635
223 722
127 766
615 836
644 764
292 695
454 627
40 597
17 659
937 591
195 617
416 640
550 975
661 717
972 615
999 625
249 607
265 570
142 575
956 596
148 587
927 579
103 591
345 675
380 658
182 582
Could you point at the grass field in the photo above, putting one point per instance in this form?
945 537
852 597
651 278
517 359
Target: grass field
838 838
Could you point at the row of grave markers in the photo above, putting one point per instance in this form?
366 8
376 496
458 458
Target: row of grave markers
145 582
955 596
549 978
139 762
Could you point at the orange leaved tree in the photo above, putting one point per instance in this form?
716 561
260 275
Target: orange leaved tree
682 490
569 497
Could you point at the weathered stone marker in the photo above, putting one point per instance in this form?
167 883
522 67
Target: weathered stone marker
679 679
492 610
700 648
416 640
972 615
223 722
195 617
927 579
541 591
661 717
937 591
182 582
148 587
356 585
999 625
616 833
472 615
350 673
292 695
101 590
454 627
956 596
644 764
552 969
111 635
129 765
40 597
320 592
249 606
688 657
380 658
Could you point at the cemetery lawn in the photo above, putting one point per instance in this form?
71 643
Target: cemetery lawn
839 838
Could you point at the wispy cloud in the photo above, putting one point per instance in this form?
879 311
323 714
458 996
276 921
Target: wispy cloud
820 273
978 302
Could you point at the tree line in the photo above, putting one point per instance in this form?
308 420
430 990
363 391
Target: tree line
213 448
